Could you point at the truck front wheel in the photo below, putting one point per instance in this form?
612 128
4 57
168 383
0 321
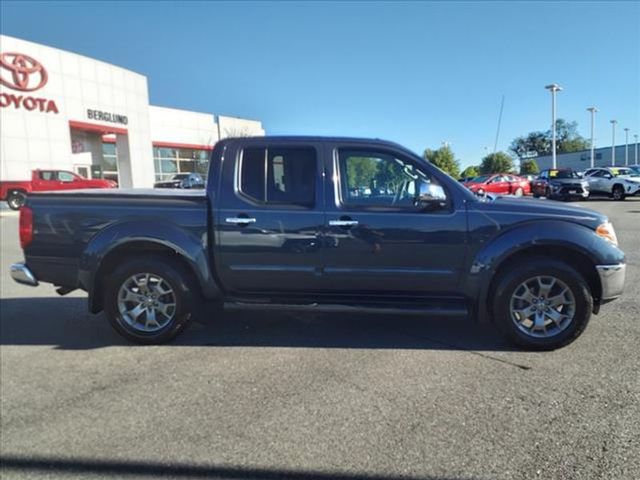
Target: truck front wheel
150 299
542 304
16 199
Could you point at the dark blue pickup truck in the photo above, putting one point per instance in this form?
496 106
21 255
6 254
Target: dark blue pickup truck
324 224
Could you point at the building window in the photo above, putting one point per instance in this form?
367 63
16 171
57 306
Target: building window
169 161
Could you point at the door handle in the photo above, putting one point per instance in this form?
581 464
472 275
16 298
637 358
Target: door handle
240 220
343 223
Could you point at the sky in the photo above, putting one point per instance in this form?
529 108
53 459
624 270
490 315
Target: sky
418 73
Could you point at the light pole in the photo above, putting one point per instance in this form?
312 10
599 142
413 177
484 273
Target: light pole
613 142
626 147
636 138
554 87
593 111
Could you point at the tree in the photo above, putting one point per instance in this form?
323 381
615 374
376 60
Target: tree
567 140
472 171
567 137
444 159
498 162
529 167
537 142
360 172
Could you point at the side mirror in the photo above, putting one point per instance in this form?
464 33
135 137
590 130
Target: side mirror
430 196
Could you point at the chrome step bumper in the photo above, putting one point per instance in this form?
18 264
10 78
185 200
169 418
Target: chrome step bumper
21 274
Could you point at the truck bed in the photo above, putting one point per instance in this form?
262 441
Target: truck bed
66 222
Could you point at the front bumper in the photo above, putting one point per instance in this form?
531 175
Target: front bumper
612 280
21 274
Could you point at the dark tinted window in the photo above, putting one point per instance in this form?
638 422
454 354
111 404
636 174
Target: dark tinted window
284 175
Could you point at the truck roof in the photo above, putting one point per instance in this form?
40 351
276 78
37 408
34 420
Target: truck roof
314 138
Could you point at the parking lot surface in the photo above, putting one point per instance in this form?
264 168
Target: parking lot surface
262 396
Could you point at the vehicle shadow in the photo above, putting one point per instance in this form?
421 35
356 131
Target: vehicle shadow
65 324
123 468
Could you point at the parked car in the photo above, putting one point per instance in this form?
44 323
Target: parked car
15 192
182 180
617 182
279 228
499 183
560 183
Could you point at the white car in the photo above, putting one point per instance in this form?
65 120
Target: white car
618 182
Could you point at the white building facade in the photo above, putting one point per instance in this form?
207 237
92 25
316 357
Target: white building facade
60 110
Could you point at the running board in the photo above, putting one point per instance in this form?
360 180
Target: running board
456 310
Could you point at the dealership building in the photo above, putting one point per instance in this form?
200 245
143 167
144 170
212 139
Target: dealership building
603 157
60 110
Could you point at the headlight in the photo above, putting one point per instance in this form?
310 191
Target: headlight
606 231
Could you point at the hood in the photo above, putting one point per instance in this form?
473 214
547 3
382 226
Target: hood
533 209
630 179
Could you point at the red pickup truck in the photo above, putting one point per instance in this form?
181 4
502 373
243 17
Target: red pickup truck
15 192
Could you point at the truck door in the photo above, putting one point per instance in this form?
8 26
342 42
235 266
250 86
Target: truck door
381 239
270 218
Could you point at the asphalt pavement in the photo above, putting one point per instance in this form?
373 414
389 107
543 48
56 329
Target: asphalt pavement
264 396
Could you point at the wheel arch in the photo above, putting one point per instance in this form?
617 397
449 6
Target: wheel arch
113 245
574 244
579 261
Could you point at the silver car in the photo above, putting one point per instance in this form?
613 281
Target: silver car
617 182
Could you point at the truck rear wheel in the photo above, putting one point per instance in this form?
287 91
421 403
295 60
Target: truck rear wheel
542 304
150 299
16 199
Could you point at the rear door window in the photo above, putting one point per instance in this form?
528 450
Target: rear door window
285 175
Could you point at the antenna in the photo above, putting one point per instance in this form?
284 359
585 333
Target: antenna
495 145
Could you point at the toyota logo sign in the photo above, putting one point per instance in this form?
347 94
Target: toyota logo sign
25 74
21 72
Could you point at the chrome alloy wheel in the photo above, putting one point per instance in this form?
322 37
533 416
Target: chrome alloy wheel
542 306
146 302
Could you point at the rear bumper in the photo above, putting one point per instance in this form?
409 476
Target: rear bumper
22 274
612 280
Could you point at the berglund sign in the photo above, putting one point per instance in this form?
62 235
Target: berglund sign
25 74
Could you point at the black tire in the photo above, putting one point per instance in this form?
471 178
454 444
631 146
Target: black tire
618 193
510 281
547 193
177 277
16 199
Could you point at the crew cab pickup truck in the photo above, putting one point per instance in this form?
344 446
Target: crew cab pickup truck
323 224
15 192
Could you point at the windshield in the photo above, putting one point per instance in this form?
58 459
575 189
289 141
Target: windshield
180 176
563 174
624 172
480 179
